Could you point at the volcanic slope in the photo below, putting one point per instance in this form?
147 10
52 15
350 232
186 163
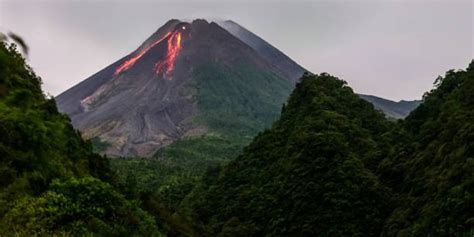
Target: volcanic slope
187 80
285 64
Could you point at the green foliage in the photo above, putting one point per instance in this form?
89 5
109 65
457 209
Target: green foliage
176 168
433 166
78 207
98 145
162 183
14 74
139 176
161 186
39 145
206 148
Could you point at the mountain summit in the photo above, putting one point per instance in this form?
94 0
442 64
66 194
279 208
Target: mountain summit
185 80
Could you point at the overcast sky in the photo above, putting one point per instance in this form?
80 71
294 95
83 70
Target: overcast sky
392 49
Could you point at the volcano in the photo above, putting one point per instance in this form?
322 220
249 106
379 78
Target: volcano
188 79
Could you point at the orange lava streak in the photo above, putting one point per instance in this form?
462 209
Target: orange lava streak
130 62
174 47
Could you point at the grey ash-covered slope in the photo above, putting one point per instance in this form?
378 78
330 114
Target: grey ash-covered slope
155 95
397 110
285 64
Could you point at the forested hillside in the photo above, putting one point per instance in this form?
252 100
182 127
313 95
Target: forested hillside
51 183
431 165
308 174
334 166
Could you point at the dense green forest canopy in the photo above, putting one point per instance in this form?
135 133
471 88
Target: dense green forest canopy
333 166
431 162
51 183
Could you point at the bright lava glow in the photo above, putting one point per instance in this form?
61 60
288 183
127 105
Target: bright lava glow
130 62
166 66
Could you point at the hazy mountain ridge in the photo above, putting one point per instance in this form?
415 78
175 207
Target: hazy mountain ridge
397 110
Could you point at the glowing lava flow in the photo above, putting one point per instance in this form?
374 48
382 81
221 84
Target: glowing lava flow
174 47
130 62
